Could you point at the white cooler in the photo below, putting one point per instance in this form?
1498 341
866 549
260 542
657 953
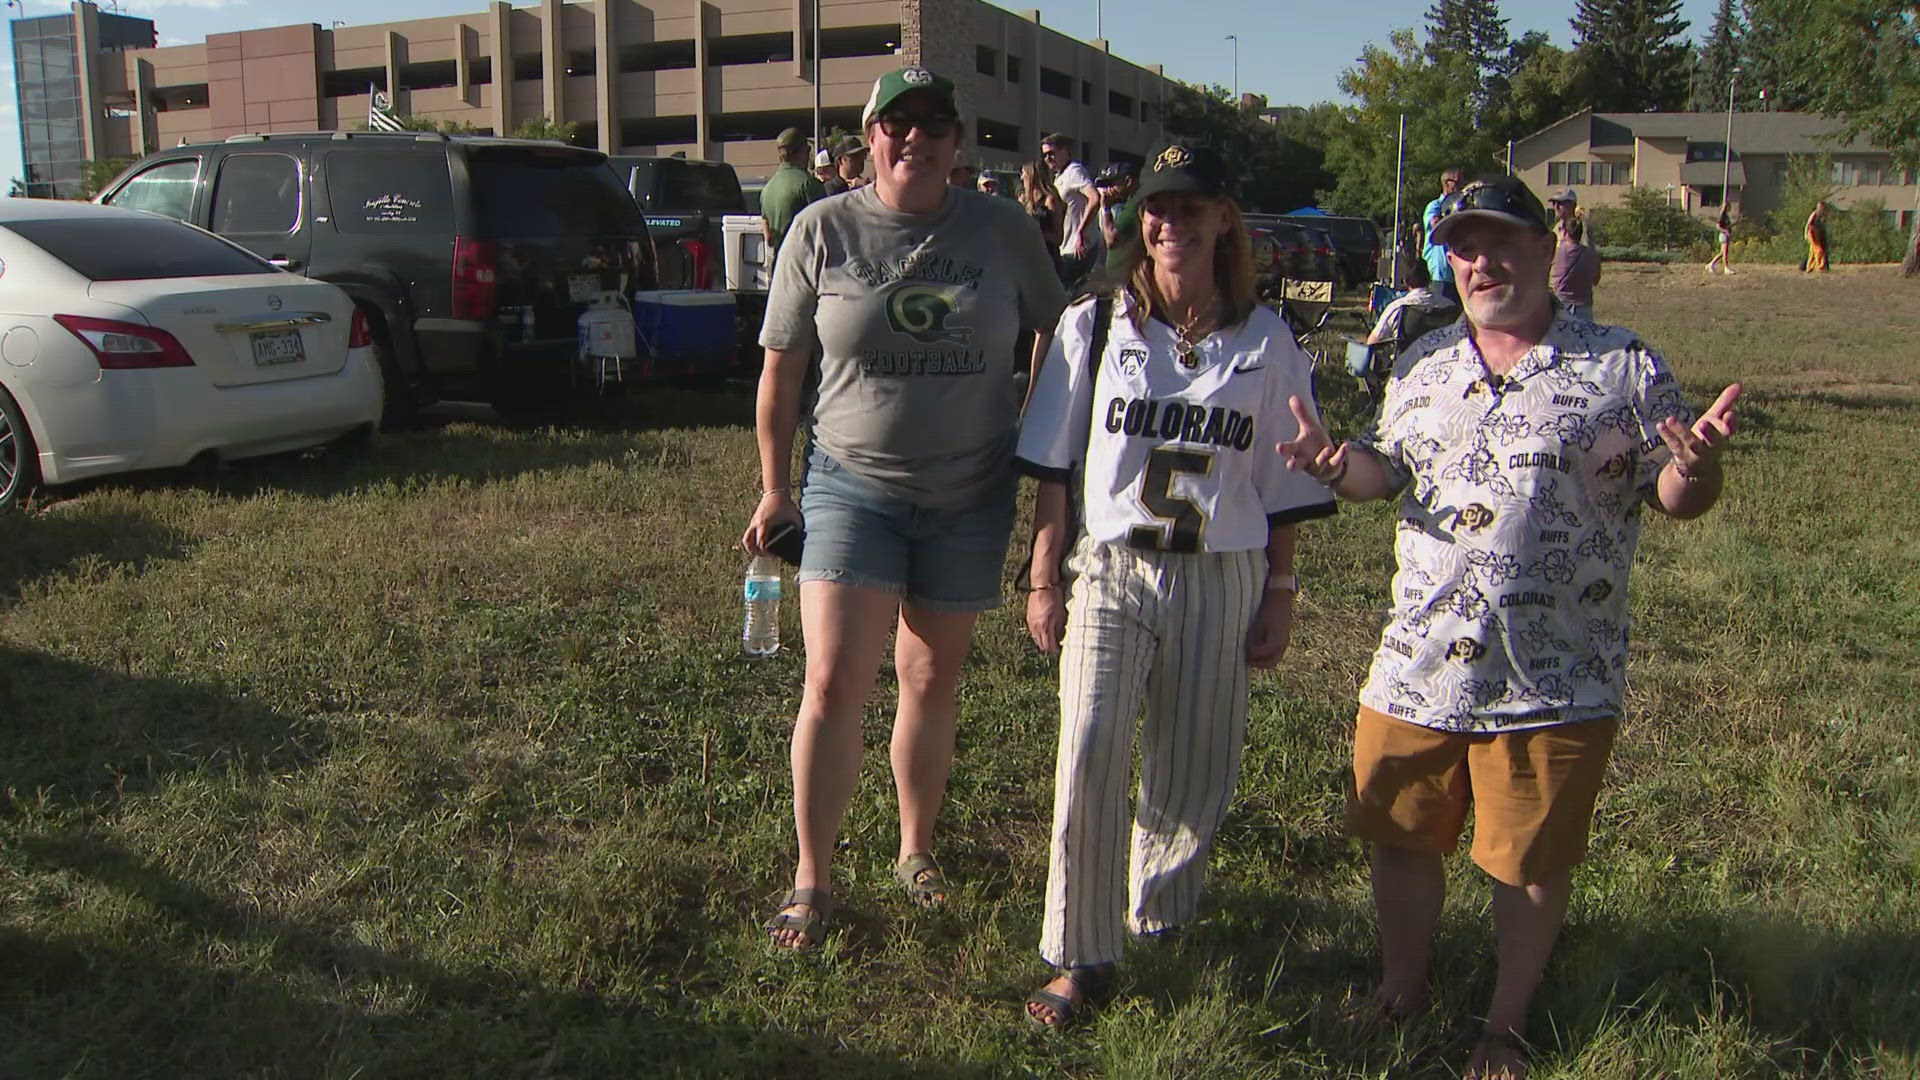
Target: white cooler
745 252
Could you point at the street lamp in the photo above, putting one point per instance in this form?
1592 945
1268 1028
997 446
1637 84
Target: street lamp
1726 155
1235 38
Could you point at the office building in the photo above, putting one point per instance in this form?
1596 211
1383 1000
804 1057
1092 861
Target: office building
715 79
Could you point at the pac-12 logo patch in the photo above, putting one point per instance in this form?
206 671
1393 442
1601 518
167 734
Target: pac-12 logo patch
921 312
1133 359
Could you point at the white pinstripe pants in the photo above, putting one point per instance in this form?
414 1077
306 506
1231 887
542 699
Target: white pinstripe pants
1168 631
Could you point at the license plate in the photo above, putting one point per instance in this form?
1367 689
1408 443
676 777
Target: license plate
583 287
273 347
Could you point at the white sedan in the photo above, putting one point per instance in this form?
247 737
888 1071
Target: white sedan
132 341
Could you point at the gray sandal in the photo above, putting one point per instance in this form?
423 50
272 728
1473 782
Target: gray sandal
926 885
1093 984
812 926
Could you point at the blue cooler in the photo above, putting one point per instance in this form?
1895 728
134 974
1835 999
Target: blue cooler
685 331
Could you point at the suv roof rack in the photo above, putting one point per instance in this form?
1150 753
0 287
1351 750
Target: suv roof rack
263 136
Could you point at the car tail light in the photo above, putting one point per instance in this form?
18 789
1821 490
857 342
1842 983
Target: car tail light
360 335
474 263
122 346
700 261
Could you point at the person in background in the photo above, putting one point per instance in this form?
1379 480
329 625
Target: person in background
823 170
849 163
962 175
1817 238
1178 592
1436 254
913 295
1081 247
1421 298
1119 218
1044 205
1576 263
1523 445
989 184
1723 253
788 190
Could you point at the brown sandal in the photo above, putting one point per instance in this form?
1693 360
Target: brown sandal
1093 983
812 926
923 879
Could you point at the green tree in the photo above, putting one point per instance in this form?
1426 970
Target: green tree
1715 60
1759 47
544 128
1473 31
95 175
1542 88
1859 61
1277 171
1633 55
1443 128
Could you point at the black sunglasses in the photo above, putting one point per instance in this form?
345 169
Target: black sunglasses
1517 202
898 125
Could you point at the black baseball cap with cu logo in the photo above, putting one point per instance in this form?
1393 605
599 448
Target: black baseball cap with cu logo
1184 166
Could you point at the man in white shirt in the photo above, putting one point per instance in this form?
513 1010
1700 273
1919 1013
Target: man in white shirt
1523 444
1081 245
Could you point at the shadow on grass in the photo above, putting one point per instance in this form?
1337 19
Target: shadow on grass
76 734
1819 1000
36 545
296 998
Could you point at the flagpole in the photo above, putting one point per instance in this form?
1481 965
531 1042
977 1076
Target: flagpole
1399 172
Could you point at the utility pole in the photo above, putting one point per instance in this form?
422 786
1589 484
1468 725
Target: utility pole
1235 38
817 133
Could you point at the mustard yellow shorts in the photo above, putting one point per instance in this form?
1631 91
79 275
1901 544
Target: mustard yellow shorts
1531 792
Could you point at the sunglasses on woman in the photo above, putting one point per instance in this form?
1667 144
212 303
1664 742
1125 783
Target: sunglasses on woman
898 125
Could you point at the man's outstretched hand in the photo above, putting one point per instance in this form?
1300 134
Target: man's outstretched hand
1312 451
1697 449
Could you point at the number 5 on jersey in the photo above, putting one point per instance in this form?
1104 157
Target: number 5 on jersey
1183 525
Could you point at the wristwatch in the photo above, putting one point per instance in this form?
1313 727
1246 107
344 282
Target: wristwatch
1283 583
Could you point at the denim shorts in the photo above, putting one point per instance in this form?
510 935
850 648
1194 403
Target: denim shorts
940 560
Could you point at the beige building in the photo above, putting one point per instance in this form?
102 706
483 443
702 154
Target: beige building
1601 155
716 79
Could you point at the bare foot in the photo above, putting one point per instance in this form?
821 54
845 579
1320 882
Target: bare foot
1382 1007
1497 1056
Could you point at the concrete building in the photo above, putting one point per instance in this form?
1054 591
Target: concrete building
1602 155
714 79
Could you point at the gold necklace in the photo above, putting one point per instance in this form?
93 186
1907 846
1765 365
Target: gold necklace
1187 336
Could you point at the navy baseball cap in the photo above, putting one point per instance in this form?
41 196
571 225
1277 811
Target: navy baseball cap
1115 174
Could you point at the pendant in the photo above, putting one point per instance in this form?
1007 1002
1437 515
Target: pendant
1190 359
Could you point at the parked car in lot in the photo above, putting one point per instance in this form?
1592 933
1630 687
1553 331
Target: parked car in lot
472 257
684 200
1283 251
131 341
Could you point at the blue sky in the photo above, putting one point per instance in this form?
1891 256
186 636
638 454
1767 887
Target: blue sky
1291 52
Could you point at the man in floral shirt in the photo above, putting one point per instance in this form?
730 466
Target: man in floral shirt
1523 443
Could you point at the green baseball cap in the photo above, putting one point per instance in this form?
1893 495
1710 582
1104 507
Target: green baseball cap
894 85
792 136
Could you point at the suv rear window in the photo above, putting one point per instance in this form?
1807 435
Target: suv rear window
390 194
555 192
686 186
129 249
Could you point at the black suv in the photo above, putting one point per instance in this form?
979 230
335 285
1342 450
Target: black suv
472 256
684 200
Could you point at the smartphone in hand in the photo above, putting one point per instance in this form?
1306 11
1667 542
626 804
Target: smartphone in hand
787 541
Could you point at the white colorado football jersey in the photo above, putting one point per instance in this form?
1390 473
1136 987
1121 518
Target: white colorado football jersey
1178 458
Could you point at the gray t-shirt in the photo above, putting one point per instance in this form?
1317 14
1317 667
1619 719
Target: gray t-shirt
915 316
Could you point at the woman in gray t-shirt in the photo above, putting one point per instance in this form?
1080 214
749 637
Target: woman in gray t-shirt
912 293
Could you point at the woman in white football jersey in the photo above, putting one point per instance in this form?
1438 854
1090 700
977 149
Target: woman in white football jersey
1164 393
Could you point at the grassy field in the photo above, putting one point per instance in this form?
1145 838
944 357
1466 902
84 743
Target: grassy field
443 761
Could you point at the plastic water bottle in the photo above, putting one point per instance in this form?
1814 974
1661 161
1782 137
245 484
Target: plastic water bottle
762 635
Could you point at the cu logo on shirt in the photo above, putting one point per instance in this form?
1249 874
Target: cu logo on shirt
921 312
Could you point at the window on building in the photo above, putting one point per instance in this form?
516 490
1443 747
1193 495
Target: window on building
166 189
656 56
1057 83
859 41
430 75
657 131
986 61
1871 173
997 136
1610 172
753 49
581 62
1706 151
1149 112
1086 92
1119 104
1711 194
192 96
1566 173
527 67
256 195
347 82
1013 68
480 71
